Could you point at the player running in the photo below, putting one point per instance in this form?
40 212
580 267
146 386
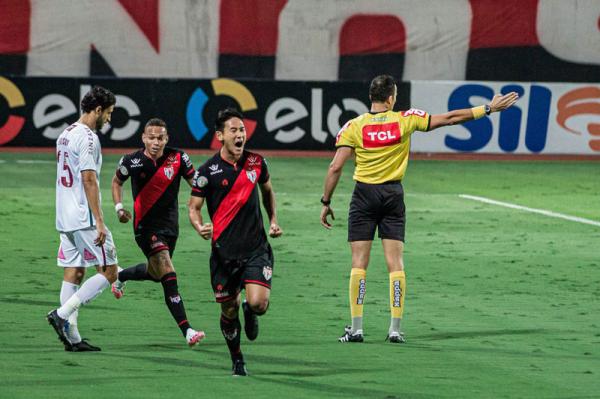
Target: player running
241 256
380 140
84 239
156 172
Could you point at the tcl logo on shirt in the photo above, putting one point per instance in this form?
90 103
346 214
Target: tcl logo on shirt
381 135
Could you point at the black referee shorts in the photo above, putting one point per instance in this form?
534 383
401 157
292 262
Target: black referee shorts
378 206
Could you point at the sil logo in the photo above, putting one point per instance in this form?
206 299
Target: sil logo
15 99
578 102
220 87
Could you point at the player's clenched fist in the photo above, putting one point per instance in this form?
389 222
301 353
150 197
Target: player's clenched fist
124 215
206 231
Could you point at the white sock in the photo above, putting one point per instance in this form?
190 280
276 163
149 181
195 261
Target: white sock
89 290
67 291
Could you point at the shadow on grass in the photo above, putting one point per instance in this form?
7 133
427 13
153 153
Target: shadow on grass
48 304
476 334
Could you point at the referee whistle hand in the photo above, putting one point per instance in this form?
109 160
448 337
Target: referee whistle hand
326 211
124 216
206 231
275 231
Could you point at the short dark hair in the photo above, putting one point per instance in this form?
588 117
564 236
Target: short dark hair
97 96
156 122
381 88
225 115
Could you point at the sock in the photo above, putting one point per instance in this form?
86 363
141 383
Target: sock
66 291
89 290
174 301
231 331
397 293
137 272
357 297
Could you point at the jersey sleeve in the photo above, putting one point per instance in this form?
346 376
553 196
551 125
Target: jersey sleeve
346 137
187 168
264 174
200 184
87 148
123 169
414 119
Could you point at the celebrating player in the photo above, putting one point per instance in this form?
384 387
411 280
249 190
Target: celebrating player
380 140
156 172
241 255
84 239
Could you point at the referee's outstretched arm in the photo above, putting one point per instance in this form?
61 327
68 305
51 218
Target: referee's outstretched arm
499 103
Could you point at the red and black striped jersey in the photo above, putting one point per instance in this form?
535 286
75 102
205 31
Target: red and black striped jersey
233 202
155 188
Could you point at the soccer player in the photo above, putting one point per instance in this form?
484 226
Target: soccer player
156 172
84 239
241 256
380 141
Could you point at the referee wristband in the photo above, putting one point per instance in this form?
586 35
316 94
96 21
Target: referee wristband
478 112
118 207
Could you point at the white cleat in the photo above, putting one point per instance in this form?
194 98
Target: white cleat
193 337
118 289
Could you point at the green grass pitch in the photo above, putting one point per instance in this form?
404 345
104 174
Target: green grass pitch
501 303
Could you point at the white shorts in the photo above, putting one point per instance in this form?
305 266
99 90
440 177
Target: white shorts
77 249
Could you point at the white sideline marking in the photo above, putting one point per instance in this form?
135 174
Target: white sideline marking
532 210
33 161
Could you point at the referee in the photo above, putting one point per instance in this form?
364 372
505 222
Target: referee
380 142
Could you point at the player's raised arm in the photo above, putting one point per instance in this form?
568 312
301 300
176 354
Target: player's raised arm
268 197
499 103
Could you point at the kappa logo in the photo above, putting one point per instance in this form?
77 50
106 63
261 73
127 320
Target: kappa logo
136 162
214 169
267 272
169 172
251 174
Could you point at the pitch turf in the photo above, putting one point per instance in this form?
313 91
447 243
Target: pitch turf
500 303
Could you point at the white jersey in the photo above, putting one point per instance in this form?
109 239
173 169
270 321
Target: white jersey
77 149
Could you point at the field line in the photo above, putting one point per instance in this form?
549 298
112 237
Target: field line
532 210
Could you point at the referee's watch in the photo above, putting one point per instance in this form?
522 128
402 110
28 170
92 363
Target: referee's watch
488 109
326 203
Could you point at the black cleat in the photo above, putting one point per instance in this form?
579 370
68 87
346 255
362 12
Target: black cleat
396 338
59 327
250 322
350 337
239 368
83 346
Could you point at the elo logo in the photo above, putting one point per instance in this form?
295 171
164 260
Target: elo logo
15 99
225 87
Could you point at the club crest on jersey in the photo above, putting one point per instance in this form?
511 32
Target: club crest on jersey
123 170
267 272
169 172
251 174
201 181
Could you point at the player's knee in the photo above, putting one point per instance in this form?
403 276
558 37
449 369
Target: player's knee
111 273
260 307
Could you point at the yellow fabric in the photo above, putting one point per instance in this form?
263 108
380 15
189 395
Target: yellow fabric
381 143
478 112
357 291
397 293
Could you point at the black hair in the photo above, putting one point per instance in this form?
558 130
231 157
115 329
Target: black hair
382 87
225 115
97 96
156 122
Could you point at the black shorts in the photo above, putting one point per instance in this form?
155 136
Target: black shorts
151 243
229 276
378 206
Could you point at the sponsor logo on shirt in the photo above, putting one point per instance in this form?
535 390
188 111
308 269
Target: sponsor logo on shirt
187 160
381 135
214 169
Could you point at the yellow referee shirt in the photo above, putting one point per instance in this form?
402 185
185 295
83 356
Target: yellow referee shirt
381 142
